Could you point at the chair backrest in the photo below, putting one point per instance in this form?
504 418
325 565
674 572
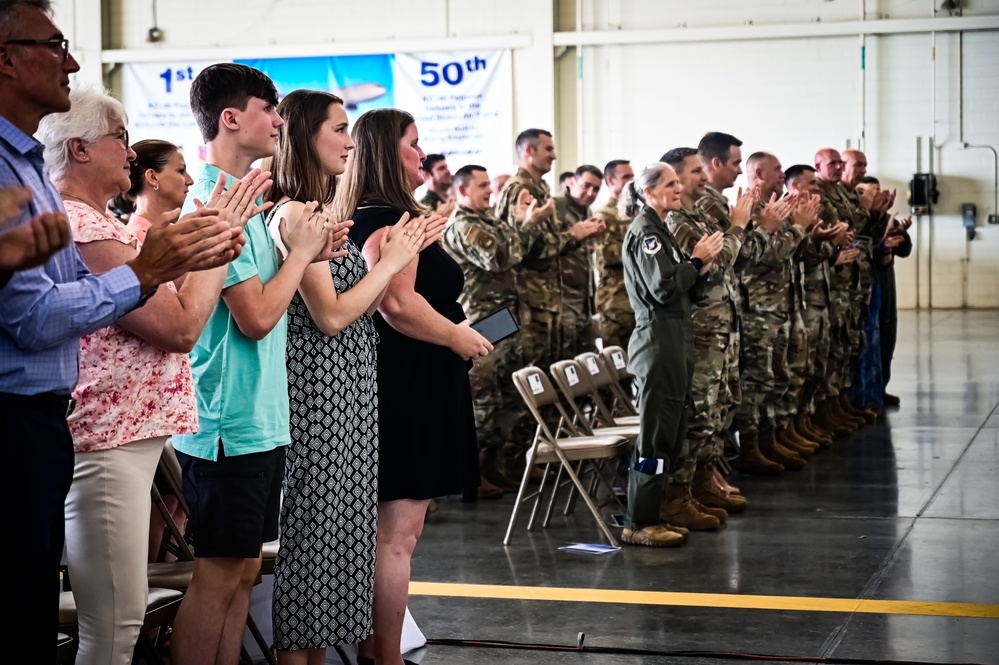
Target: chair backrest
175 539
615 362
537 391
574 382
600 378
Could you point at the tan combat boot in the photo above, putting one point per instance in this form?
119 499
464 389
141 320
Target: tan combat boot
842 417
805 425
752 461
656 535
851 411
681 510
770 447
791 439
489 469
708 494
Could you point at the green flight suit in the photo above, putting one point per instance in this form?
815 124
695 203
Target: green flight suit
660 280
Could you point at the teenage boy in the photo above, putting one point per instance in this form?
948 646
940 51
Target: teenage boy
233 467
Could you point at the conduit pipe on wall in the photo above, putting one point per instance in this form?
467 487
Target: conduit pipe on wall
863 79
580 150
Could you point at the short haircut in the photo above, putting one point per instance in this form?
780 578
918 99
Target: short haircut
529 137
796 171
226 85
464 175
591 169
610 169
717 144
10 15
89 119
677 157
431 160
869 180
565 175
755 158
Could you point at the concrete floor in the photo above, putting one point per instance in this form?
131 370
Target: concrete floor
905 510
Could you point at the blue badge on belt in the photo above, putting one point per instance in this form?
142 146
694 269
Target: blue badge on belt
651 245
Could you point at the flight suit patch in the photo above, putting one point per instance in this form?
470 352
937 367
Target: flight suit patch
651 245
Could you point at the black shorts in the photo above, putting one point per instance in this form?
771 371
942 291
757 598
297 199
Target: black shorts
234 502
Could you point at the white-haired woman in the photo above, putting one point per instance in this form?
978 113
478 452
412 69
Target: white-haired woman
135 385
659 278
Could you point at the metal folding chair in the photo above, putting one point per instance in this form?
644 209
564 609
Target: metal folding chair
549 448
602 380
615 363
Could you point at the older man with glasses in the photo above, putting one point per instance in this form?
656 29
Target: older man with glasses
44 312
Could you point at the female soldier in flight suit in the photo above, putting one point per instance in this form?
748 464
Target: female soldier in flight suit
659 280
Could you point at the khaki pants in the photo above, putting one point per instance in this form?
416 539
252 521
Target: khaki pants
107 547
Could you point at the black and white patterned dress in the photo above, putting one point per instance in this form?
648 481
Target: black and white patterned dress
324 574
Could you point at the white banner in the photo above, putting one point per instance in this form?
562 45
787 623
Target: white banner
463 104
157 100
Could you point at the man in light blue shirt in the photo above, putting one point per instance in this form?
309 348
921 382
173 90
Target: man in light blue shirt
45 310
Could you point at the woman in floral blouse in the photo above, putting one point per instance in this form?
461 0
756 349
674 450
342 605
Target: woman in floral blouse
135 385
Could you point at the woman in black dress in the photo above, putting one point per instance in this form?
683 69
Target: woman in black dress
427 445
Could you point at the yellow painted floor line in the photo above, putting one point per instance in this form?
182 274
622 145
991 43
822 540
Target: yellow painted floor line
734 601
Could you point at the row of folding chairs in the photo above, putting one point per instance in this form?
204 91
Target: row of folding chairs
596 425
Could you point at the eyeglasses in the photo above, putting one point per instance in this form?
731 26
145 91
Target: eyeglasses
120 136
55 42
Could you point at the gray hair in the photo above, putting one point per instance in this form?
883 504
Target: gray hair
632 198
10 15
89 118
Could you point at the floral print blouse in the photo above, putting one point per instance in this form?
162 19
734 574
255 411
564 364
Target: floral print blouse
129 390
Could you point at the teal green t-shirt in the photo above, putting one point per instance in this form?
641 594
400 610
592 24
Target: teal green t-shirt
241 384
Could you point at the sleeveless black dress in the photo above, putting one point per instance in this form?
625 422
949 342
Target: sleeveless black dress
427 445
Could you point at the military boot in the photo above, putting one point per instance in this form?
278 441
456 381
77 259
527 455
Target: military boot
681 510
770 447
830 419
851 411
752 461
489 469
842 417
656 535
790 438
805 425
718 513
708 494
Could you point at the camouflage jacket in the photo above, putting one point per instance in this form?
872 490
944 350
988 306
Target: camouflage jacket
769 282
716 310
814 259
431 200
539 281
610 295
841 203
754 241
574 262
489 253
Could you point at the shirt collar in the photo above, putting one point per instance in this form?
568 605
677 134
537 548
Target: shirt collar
17 139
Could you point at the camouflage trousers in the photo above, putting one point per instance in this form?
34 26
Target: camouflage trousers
760 331
576 329
840 321
615 327
798 352
500 413
539 337
816 319
716 391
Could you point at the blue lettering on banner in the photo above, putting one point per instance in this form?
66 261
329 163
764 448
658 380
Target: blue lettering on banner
452 73
171 75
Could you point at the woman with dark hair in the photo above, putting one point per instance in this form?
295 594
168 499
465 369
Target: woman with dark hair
324 574
426 439
159 184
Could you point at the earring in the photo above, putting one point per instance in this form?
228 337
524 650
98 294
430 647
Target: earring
156 187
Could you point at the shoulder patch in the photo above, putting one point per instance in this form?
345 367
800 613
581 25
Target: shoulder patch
651 245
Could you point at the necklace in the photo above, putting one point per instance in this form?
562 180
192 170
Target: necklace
67 195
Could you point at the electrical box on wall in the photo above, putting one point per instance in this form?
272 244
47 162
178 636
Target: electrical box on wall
923 193
968 214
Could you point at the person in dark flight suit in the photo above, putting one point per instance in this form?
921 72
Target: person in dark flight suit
660 280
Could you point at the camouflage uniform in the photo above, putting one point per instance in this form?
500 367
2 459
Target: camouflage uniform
715 386
615 317
431 200
765 286
846 332
814 265
489 252
539 280
577 282
797 349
